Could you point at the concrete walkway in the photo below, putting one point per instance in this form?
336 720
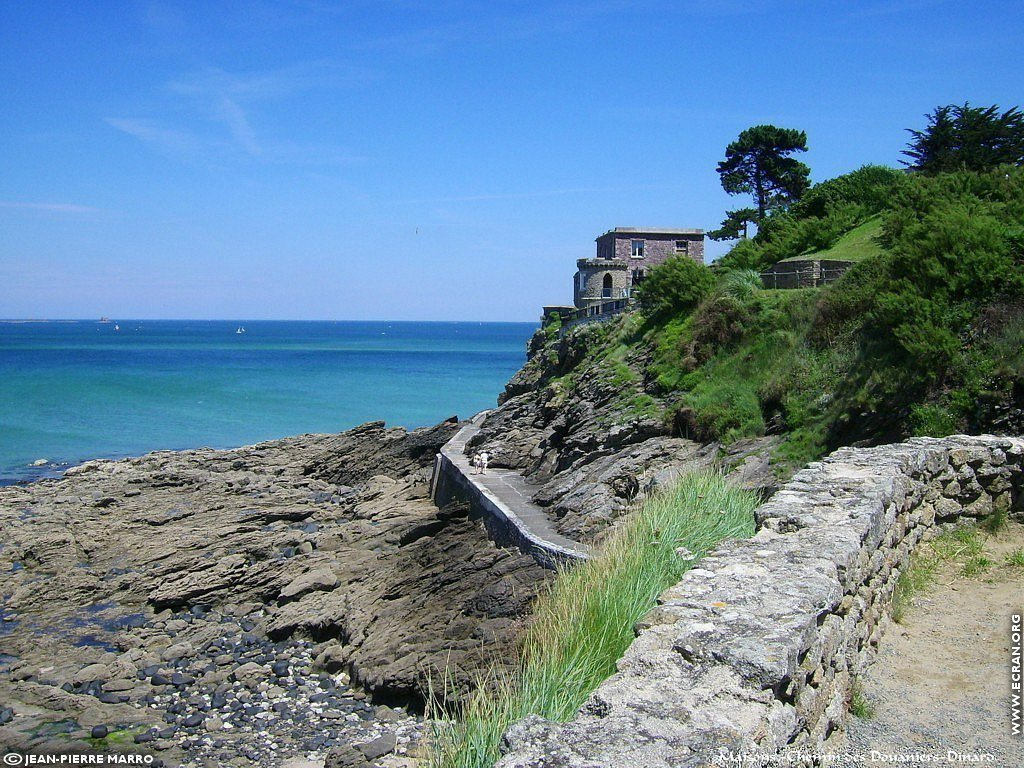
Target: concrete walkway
505 495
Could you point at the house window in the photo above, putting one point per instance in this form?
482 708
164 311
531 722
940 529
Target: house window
637 249
606 289
682 246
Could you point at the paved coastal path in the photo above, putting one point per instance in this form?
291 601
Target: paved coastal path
504 496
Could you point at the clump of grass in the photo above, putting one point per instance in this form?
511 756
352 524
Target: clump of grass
959 544
584 622
1015 559
975 566
860 705
996 521
918 576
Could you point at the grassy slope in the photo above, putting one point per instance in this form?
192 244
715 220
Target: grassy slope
856 245
761 362
735 360
791 363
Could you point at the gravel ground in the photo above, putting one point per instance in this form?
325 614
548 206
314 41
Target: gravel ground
941 680
226 696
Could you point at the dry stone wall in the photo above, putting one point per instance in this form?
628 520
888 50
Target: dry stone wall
804 273
754 651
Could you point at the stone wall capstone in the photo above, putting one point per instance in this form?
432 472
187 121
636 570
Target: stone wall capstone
756 648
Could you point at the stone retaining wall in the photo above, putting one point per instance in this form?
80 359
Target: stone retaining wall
755 649
804 273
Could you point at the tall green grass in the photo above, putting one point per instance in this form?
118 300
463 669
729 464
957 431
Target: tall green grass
583 624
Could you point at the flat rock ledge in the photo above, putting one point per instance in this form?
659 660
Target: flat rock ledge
754 651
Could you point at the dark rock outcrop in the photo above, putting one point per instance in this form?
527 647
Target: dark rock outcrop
588 431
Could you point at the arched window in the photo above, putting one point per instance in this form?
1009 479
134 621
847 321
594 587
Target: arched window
606 291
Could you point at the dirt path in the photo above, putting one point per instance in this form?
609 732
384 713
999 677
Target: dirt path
941 679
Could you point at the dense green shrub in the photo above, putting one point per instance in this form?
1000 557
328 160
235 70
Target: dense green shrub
843 308
955 249
870 186
740 284
674 288
718 324
745 254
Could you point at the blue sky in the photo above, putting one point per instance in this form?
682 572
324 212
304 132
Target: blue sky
425 160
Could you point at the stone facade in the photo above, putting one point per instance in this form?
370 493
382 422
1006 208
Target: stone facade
600 280
756 648
624 257
647 248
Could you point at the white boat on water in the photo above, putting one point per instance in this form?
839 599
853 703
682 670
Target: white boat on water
240 330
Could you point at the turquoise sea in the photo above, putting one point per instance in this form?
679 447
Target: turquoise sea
75 390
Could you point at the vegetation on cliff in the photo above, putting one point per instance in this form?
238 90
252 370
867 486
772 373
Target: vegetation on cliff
922 336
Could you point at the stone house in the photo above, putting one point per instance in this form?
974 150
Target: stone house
624 257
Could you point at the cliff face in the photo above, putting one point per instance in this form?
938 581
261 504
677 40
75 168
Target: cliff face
580 421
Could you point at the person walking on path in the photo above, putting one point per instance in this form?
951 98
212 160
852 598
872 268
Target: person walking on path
475 463
483 462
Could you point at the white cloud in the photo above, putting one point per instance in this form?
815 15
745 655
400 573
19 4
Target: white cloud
163 138
225 103
234 117
71 208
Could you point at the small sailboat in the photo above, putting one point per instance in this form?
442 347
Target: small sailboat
117 327
240 330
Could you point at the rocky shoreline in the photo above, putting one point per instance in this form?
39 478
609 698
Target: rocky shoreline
298 600
279 602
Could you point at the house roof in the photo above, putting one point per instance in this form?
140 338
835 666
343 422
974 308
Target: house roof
652 231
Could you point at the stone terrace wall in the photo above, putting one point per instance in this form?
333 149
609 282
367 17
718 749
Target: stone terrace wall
755 649
804 273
